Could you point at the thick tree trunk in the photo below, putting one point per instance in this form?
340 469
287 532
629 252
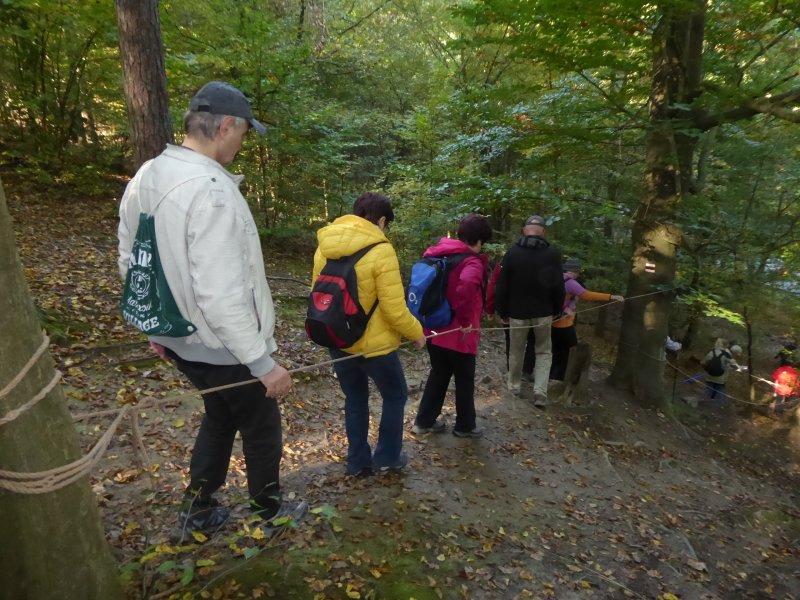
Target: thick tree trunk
677 60
51 544
142 55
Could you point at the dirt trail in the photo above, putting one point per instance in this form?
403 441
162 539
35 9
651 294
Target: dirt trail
600 499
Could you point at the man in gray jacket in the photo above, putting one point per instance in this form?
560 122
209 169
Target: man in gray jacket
210 252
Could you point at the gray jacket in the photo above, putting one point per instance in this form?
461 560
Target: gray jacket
211 254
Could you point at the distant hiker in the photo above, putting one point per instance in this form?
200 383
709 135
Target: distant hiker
529 358
786 385
211 256
787 354
453 354
718 363
378 274
564 333
529 293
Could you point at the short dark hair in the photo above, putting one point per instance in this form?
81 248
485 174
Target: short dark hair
474 229
372 206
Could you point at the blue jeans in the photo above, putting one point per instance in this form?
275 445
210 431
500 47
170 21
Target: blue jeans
716 393
354 375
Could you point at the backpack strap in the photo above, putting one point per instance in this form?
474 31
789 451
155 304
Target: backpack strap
453 260
357 256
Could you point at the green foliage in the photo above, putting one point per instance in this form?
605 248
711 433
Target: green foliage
711 307
500 107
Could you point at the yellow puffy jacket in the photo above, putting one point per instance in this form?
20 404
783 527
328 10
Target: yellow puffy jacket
378 274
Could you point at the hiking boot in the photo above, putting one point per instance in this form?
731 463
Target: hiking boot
206 517
438 427
402 462
539 400
475 433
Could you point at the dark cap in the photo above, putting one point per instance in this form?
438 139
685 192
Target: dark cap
535 220
220 98
573 265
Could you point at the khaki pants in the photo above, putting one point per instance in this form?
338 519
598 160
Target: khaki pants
516 352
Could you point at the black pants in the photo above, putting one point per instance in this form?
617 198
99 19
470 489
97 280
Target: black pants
246 409
529 360
446 363
563 338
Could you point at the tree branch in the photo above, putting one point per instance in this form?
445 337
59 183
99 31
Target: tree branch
362 19
777 106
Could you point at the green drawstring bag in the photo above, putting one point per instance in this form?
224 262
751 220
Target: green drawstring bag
147 301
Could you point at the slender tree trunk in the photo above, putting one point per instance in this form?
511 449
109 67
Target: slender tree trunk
142 55
52 544
677 61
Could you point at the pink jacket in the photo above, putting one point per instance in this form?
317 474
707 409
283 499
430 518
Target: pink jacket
465 294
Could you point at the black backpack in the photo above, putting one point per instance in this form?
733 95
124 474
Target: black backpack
334 318
713 365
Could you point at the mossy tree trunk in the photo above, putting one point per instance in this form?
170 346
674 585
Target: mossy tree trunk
670 148
51 545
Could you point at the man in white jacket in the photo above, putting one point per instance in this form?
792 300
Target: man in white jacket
210 252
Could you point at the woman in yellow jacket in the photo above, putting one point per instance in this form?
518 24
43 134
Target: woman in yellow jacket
378 275
563 331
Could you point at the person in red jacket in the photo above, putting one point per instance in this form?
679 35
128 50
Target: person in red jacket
786 383
453 354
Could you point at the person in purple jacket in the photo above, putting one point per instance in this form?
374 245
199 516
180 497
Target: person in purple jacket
453 354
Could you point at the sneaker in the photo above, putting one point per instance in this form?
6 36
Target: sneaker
516 393
475 433
207 518
539 400
438 427
361 473
401 463
289 513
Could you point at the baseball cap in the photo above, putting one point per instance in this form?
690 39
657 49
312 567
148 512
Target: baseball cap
573 265
219 98
535 220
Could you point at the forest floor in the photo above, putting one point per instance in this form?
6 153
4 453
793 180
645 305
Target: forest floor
598 499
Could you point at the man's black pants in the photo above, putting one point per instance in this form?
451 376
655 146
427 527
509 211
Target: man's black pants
247 409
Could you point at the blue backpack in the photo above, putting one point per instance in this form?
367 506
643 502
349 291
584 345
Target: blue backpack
427 289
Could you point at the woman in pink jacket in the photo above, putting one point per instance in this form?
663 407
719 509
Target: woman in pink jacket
453 354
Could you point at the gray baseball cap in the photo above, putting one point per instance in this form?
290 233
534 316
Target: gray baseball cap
573 265
536 220
219 98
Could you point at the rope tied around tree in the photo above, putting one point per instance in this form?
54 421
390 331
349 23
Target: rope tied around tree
7 389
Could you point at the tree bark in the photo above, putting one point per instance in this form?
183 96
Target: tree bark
51 544
677 73
141 52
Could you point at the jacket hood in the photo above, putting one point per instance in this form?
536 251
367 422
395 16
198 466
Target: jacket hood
533 241
346 235
448 246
